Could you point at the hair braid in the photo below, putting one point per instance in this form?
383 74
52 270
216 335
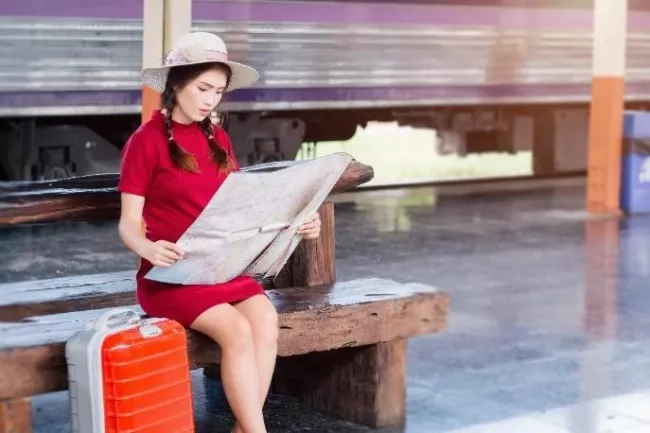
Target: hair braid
180 157
178 78
217 153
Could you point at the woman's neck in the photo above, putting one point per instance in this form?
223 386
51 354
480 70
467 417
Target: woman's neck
179 117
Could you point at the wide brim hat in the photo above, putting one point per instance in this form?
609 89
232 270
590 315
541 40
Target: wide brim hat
193 49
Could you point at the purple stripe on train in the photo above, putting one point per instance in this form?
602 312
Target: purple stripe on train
411 93
415 93
399 14
529 4
349 13
384 13
114 9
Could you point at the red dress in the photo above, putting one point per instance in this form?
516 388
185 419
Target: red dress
173 200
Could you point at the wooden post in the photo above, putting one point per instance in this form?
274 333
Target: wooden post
365 385
313 261
152 50
607 105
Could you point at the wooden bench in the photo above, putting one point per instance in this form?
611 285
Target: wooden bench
342 347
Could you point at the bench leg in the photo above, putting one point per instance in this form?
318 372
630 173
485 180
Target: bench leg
365 385
16 416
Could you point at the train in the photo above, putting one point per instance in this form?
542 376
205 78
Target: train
488 75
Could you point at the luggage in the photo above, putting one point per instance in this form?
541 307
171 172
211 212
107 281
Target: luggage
128 374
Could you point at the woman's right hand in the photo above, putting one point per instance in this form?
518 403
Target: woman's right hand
163 253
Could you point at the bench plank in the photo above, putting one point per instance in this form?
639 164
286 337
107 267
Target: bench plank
58 295
346 314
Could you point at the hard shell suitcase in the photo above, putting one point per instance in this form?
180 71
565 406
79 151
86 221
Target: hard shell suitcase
129 376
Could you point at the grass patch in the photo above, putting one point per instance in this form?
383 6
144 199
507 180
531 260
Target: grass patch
405 154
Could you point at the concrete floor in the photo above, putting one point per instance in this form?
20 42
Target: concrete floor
549 325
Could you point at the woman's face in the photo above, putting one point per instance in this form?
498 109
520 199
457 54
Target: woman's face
200 96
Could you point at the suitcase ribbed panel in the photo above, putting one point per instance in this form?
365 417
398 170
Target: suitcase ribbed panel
147 383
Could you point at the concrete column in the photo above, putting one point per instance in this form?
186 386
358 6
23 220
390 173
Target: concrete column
152 50
178 21
607 106
164 21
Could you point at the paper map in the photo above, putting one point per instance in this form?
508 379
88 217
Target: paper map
249 226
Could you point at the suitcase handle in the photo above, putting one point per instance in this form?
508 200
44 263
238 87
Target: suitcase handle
102 323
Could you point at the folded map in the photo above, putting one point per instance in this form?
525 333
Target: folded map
250 225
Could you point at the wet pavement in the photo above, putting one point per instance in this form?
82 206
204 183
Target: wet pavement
549 322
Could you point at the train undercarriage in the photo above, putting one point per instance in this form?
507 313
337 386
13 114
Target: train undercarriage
61 147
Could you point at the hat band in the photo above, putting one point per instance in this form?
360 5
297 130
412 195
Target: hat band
178 57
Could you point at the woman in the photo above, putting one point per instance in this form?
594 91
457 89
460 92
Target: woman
171 167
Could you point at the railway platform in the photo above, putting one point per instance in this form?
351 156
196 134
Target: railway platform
548 331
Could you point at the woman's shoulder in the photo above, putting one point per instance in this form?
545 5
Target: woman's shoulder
149 134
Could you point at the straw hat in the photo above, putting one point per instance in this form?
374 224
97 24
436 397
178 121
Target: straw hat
195 48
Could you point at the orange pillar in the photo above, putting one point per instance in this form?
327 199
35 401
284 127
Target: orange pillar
153 24
607 106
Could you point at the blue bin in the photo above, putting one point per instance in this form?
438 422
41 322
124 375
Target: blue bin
635 170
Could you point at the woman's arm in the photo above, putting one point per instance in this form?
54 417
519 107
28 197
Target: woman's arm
131 226
132 233
138 168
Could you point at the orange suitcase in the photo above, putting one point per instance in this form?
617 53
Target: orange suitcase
130 376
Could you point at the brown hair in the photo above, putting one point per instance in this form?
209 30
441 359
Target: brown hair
179 77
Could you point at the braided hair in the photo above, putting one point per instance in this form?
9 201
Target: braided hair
178 78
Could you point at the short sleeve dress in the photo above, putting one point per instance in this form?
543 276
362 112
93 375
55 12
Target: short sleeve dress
173 200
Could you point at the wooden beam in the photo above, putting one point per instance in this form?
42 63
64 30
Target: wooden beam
607 106
96 197
68 294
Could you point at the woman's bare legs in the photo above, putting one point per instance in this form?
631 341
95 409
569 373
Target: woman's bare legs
263 320
231 330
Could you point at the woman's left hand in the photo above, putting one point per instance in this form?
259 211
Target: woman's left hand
311 228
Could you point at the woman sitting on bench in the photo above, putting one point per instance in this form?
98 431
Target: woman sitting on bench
171 167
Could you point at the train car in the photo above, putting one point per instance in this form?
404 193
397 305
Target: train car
488 75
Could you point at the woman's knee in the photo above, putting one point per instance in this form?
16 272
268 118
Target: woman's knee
227 327
266 327
263 318
240 338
